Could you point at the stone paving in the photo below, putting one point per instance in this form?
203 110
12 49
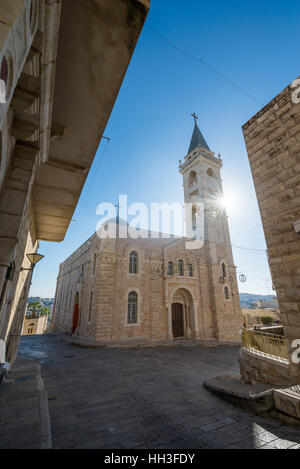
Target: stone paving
146 397
20 408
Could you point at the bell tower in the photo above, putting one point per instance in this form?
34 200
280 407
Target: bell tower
201 172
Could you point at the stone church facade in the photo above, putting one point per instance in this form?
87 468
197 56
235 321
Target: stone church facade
127 291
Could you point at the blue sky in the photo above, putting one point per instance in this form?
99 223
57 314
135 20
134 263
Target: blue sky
254 44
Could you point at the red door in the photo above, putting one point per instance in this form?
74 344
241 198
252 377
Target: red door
75 318
177 320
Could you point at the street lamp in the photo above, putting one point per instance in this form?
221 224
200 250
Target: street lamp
34 258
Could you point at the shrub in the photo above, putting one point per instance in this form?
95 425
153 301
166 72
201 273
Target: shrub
266 320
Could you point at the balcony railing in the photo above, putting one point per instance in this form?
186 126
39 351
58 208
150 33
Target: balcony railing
265 344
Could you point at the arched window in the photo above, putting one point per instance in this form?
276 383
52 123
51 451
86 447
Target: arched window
180 268
223 270
133 263
210 173
132 308
170 268
191 272
193 181
226 292
90 307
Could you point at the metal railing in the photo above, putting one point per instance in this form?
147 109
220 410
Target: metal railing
296 388
263 343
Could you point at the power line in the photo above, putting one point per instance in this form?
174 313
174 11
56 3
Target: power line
249 249
250 270
97 168
205 64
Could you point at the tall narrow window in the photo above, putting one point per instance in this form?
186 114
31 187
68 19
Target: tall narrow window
94 264
226 292
180 268
170 268
194 218
133 263
132 308
223 270
90 307
191 272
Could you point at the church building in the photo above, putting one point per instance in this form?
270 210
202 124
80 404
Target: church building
155 290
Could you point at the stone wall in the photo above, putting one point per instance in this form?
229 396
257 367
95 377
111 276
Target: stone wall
255 368
45 48
101 268
35 326
273 143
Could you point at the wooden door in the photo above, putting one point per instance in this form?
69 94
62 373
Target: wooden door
177 320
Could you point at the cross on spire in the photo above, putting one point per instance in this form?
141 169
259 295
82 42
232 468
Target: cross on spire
195 117
197 138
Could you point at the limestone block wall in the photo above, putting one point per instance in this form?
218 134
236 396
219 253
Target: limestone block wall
18 26
15 299
77 276
36 326
256 368
272 138
99 269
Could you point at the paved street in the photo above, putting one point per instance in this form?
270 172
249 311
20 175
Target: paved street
135 398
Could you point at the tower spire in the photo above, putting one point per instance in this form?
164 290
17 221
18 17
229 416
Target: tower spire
197 137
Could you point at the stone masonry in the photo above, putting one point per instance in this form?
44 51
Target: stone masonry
61 73
272 138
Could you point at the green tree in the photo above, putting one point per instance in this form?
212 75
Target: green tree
35 305
45 311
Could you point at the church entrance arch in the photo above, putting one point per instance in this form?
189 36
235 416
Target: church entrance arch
183 321
75 313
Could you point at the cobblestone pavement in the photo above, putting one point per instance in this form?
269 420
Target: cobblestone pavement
146 397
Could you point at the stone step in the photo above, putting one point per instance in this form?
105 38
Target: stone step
24 125
26 92
25 149
259 399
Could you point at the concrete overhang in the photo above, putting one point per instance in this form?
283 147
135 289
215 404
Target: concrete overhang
96 41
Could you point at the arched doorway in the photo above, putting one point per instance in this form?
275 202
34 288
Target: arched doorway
76 313
183 320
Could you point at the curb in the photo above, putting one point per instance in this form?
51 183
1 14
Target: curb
46 436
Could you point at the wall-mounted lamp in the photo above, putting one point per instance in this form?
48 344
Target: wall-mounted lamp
34 259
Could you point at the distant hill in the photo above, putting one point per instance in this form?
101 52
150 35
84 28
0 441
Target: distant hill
45 301
247 298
